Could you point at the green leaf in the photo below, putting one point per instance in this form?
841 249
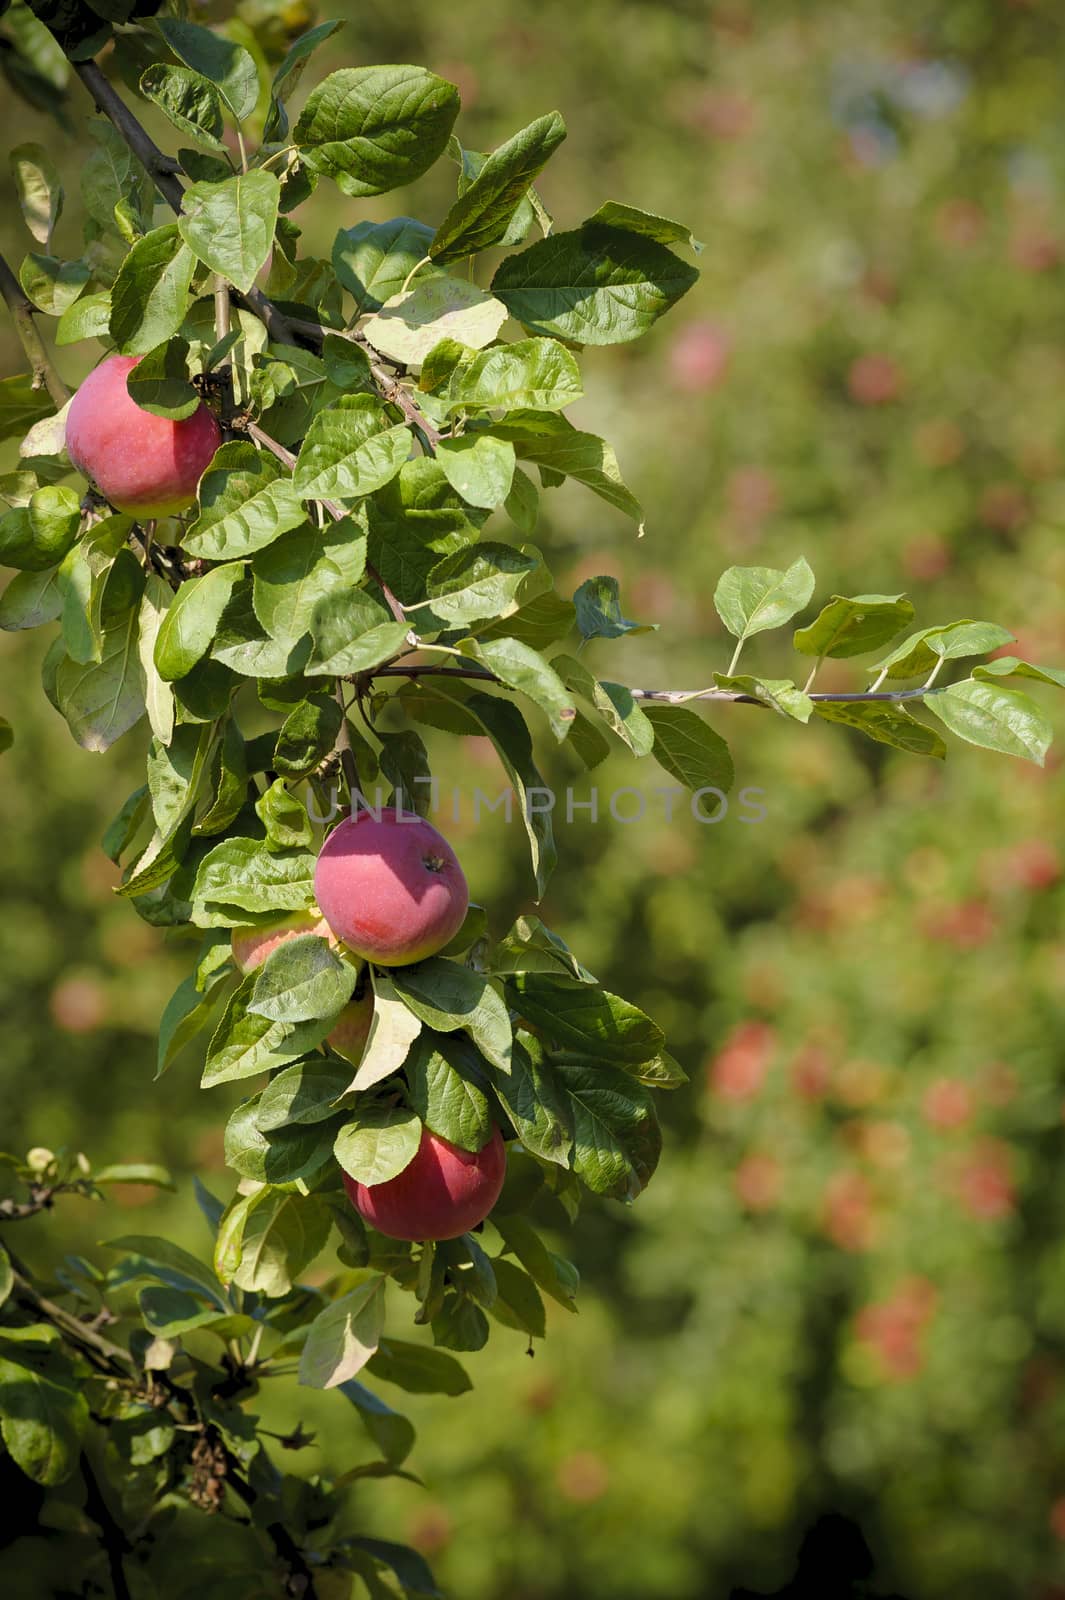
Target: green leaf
916 656
392 1032
373 260
372 129
52 285
246 502
378 1143
136 1172
300 980
689 750
517 1304
281 1237
243 875
159 383
538 622
288 75
530 946
995 719
479 582
352 633
485 209
227 65
43 1415
459 1324
613 701
158 695
967 639
102 700
284 816
1014 667
752 599
447 996
299 569
505 726
616 1137
413 521
438 307
779 693
614 214
522 504
521 668
150 296
40 189
303 1093
169 1313
586 1018
344 1336
188 100
848 626
245 1045
7 1275
39 534
111 178
159 1258
229 226
598 606
393 1434
554 1276
186 1014
307 736
478 467
350 450
188 629
539 1111
886 724
554 445
447 1089
288 1156
596 285
418 1368
21 405
88 318
532 374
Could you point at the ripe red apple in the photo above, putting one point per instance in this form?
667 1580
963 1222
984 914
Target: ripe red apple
443 1193
391 890
142 463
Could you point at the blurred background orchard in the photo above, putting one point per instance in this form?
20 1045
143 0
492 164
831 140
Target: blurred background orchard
844 1293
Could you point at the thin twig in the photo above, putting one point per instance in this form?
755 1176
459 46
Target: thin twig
161 168
659 696
112 1538
300 1581
110 1358
22 313
164 171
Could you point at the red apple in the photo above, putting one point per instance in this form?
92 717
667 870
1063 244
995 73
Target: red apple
144 464
391 889
444 1192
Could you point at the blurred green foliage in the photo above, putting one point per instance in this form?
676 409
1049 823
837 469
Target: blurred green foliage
844 1288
